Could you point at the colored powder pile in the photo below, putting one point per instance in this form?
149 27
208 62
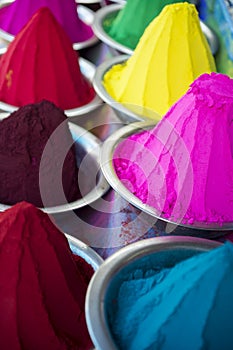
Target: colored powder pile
183 167
23 136
48 67
172 52
131 21
42 290
187 306
15 16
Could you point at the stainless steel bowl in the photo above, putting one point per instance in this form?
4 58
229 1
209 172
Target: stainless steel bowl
106 161
125 114
88 147
100 16
88 70
84 13
84 251
163 252
111 11
106 2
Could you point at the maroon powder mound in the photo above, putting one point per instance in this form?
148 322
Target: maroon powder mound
42 294
23 136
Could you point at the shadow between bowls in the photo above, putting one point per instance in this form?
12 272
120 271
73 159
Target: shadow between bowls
200 229
111 11
88 70
87 147
154 253
85 14
125 114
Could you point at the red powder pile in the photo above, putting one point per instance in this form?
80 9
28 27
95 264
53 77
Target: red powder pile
40 63
42 292
23 136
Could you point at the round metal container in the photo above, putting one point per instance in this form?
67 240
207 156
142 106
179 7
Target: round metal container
125 114
202 229
85 14
88 70
110 12
88 147
100 16
84 251
107 2
163 252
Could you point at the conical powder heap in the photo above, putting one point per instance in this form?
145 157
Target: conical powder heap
23 137
192 299
48 68
170 55
14 16
183 167
42 292
131 21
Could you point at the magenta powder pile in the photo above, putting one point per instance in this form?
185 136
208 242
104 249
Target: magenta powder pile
23 137
14 17
183 166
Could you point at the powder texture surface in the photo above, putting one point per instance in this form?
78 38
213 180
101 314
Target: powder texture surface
129 24
194 297
170 55
183 166
23 136
48 68
42 290
15 16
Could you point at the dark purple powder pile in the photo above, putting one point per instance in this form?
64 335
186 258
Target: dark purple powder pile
23 136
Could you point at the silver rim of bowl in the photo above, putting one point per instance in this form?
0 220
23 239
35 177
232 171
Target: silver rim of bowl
84 251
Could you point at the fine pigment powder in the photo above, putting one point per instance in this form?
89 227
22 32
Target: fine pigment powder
15 16
42 294
48 68
188 306
183 166
172 52
23 136
131 21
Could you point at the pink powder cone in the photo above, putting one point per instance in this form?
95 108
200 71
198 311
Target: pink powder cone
14 16
184 166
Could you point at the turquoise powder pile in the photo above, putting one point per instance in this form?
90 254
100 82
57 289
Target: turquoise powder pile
186 307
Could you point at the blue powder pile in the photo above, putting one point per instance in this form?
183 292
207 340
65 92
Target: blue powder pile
188 306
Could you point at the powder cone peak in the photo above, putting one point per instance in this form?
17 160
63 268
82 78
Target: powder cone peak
48 67
170 55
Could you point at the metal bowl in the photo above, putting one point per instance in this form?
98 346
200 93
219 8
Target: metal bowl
196 229
107 2
110 12
163 252
84 13
88 70
87 2
125 114
88 147
84 251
